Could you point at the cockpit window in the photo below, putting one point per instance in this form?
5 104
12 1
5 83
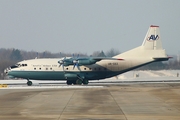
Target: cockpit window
18 65
24 65
15 66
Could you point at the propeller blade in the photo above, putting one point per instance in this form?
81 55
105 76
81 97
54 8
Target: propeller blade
75 65
75 61
63 67
61 62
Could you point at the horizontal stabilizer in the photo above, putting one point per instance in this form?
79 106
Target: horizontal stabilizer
162 58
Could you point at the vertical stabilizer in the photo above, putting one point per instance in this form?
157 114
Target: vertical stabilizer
152 40
150 48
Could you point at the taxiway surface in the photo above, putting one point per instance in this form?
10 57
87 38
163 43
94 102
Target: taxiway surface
143 101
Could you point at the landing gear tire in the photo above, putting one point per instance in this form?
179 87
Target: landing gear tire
29 83
85 82
74 82
69 82
78 82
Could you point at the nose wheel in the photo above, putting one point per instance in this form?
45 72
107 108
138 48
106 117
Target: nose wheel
29 83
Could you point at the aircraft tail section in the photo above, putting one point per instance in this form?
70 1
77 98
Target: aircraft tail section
152 40
150 48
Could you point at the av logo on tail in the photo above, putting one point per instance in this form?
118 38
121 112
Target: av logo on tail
153 37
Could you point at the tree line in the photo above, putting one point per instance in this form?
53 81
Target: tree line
9 57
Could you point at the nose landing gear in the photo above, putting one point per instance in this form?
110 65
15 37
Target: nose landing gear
29 83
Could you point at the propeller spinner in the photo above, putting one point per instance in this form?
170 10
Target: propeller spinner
61 62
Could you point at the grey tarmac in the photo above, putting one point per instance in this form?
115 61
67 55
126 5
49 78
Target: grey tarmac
147 101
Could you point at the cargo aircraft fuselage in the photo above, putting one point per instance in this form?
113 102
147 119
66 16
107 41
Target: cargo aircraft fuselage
81 70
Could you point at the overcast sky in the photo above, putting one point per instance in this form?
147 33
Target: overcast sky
86 26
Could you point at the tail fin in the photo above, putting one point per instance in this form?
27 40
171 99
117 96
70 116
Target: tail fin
152 40
151 47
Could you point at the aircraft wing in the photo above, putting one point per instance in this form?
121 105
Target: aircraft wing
83 61
105 58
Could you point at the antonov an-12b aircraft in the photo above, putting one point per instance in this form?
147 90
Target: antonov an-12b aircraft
77 70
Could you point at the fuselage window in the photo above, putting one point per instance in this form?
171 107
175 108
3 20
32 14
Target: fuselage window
84 68
66 68
24 65
40 68
89 68
50 68
34 68
46 68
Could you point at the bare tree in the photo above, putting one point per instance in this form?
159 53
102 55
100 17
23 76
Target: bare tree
112 52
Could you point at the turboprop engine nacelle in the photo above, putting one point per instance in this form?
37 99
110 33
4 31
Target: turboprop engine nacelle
66 62
85 62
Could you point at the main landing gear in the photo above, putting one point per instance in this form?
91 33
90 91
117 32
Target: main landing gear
29 83
77 82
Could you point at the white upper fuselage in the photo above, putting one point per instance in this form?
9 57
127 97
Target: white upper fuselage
93 68
49 69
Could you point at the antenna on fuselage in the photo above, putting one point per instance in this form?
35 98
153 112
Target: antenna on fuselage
37 56
60 55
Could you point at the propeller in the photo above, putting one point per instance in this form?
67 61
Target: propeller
61 62
75 61
70 61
